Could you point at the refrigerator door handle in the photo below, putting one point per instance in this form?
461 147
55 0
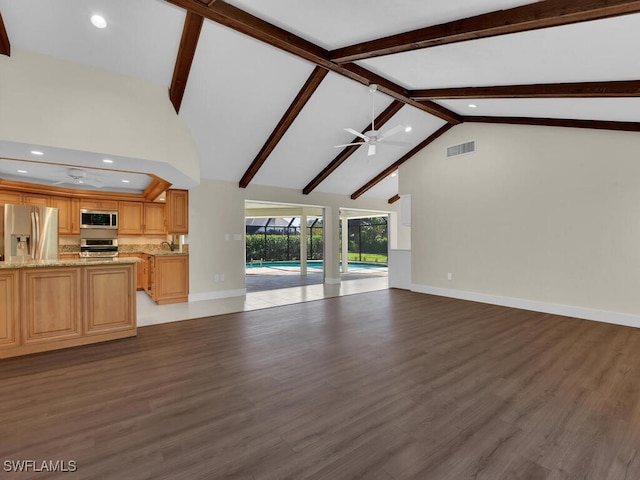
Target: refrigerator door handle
35 232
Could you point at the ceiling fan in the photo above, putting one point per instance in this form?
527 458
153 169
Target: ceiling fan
77 176
373 137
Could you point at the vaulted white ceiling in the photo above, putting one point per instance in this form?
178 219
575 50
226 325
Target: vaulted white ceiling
239 88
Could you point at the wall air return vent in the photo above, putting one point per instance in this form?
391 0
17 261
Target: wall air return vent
461 149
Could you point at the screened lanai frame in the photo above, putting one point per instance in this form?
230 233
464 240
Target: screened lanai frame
277 239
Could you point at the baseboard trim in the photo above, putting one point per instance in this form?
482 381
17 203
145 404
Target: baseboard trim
604 316
216 295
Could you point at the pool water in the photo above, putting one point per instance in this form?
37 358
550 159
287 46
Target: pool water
317 264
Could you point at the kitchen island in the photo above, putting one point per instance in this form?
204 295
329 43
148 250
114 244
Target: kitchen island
64 303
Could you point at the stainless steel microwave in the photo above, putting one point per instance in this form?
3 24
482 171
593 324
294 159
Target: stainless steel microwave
98 219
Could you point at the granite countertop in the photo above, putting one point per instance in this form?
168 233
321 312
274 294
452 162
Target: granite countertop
69 262
161 252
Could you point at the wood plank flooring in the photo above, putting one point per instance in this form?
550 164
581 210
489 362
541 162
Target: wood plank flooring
382 385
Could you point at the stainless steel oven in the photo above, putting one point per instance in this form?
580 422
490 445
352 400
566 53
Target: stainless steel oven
98 247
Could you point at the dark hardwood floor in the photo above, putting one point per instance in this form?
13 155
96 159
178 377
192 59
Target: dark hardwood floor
383 385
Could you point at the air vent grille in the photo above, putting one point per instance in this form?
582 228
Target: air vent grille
461 149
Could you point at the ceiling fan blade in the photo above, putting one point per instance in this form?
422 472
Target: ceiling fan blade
94 183
393 131
349 144
357 134
372 150
61 182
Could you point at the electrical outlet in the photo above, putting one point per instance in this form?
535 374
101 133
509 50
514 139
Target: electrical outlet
449 276
222 277
216 278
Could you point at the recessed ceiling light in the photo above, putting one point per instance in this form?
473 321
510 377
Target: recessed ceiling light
408 128
23 171
107 160
126 181
473 105
36 152
394 174
98 21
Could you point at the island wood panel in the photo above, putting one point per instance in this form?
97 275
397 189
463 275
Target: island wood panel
110 298
9 309
170 279
51 304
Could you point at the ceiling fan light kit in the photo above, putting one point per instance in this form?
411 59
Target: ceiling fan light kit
373 137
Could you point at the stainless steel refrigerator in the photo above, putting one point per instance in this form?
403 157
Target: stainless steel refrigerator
28 233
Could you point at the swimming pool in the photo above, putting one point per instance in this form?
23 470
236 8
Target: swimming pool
315 264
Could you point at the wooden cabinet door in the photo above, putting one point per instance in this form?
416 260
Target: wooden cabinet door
109 304
68 215
154 219
177 205
51 306
91 204
36 200
9 311
8 196
131 217
172 279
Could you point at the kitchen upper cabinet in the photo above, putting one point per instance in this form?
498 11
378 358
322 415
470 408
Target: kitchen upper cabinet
7 196
137 218
131 218
19 198
68 214
177 207
91 204
154 219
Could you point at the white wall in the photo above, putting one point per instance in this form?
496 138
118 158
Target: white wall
216 209
52 102
547 215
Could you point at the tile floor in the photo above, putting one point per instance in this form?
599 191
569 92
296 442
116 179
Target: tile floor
150 314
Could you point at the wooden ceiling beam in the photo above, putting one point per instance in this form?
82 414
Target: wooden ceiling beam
625 88
285 122
533 16
380 120
394 166
394 199
187 50
243 22
5 45
559 122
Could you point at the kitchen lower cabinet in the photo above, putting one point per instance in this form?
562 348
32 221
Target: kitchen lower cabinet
141 269
9 308
168 278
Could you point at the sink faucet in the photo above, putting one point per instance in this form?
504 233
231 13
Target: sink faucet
170 245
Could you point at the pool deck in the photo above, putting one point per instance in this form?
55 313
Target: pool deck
259 279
